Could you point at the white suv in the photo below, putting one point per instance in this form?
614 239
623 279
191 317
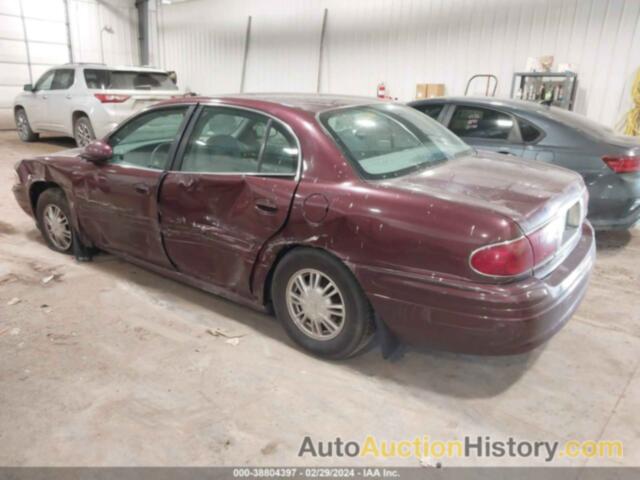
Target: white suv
86 101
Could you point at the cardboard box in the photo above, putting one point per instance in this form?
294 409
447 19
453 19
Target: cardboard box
429 90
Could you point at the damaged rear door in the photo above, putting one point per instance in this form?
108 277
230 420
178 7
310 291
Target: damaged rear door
230 191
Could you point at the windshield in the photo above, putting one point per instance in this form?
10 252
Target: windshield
100 79
388 140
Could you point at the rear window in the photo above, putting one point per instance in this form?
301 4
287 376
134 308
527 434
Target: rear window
385 141
127 80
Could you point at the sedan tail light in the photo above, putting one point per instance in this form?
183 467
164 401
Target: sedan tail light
111 98
506 259
622 163
547 240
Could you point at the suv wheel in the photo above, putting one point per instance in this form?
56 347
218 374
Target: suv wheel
83 132
320 304
24 128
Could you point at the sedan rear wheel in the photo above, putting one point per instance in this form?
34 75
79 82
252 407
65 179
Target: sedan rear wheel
83 132
24 128
315 304
53 220
320 304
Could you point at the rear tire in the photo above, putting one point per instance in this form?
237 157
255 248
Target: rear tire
83 131
24 127
320 304
54 220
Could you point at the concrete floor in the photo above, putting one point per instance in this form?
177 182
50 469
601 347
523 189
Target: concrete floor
109 364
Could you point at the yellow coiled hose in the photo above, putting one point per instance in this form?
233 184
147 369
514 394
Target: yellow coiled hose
632 126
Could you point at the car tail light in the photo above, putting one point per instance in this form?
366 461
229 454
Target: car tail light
547 240
622 163
111 98
506 259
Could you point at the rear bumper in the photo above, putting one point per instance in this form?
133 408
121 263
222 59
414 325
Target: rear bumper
477 318
624 222
614 201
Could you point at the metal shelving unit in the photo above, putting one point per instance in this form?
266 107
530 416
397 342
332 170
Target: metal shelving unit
549 88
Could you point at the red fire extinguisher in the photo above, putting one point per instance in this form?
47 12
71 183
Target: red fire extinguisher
382 90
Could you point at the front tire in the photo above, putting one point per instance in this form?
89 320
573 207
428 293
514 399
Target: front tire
24 127
320 304
83 131
53 216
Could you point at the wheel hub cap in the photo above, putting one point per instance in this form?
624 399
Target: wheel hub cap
315 304
57 227
83 135
22 125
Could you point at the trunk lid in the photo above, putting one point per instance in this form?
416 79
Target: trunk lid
530 194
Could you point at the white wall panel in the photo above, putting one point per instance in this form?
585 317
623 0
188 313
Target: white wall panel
12 51
89 17
401 42
46 31
10 7
11 27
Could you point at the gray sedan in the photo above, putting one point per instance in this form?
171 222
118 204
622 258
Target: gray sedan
609 163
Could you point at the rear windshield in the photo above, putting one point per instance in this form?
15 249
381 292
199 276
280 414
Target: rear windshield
127 80
388 140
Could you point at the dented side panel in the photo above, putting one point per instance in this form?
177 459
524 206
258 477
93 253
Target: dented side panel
215 225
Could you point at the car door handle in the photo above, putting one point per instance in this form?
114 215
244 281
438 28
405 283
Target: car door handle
68 97
141 188
265 205
505 151
44 97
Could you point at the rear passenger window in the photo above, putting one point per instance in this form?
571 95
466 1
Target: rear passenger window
473 122
226 140
528 132
280 152
432 110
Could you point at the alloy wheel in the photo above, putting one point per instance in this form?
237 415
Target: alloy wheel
315 304
83 134
57 227
23 125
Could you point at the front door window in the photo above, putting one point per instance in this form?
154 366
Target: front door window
145 141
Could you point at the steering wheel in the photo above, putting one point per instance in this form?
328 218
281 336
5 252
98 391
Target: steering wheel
155 151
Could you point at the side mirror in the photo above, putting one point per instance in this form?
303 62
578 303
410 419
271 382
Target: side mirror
28 87
97 152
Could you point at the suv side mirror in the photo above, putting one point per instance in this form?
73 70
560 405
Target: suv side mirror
97 152
28 87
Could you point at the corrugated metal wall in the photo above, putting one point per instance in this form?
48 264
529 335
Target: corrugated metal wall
401 42
34 37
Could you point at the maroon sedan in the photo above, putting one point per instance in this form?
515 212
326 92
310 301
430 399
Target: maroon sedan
343 214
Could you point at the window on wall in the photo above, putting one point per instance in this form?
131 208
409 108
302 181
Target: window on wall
226 140
482 123
145 141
